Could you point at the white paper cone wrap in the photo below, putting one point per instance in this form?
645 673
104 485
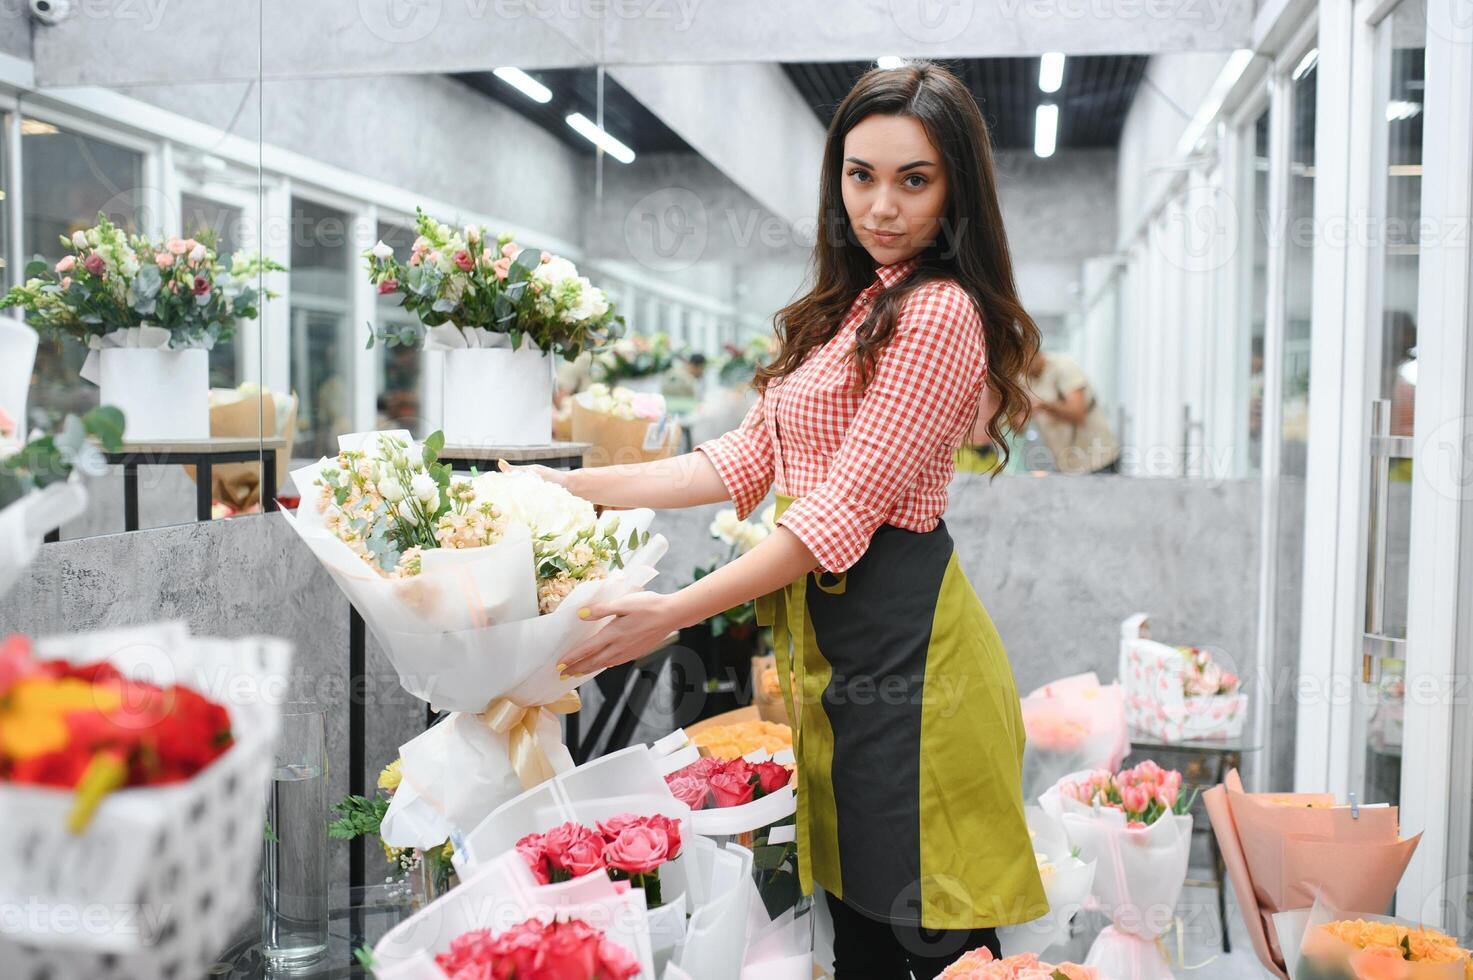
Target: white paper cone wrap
462 634
1139 875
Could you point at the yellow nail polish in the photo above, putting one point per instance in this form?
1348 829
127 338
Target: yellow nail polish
584 612
561 668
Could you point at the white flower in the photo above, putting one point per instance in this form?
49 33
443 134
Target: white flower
424 487
769 517
727 527
197 254
591 303
405 510
555 270
555 517
382 251
79 239
391 490
472 233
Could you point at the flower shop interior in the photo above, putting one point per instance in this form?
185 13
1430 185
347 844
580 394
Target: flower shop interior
1245 223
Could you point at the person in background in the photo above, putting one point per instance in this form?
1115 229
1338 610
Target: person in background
1069 417
685 377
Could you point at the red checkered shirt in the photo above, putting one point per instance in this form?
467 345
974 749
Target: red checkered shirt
857 462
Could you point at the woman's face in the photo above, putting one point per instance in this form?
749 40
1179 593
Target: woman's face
894 184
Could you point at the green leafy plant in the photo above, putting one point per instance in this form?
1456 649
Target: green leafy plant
109 280
52 458
474 281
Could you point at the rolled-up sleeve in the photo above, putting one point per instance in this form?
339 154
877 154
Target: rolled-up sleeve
743 460
923 393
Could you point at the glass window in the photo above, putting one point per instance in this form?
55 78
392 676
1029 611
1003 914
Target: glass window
400 375
1257 288
203 216
68 179
1299 238
321 352
11 268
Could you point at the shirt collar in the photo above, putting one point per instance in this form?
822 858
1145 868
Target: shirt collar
888 275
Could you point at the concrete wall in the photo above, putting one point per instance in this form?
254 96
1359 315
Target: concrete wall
15 29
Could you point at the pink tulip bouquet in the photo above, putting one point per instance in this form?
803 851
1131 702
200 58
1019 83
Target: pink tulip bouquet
1145 793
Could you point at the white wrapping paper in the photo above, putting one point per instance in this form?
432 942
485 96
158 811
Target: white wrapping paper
1138 878
28 520
462 634
1066 888
17 356
499 894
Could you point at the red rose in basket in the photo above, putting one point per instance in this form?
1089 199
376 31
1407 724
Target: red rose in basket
91 729
536 950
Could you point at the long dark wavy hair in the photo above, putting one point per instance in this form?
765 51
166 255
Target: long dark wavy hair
971 248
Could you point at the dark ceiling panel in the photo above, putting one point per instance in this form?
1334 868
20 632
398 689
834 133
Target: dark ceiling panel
1093 100
576 90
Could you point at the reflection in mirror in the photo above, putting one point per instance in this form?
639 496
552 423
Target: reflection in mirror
164 326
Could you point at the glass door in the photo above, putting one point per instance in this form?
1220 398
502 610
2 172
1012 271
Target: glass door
1379 714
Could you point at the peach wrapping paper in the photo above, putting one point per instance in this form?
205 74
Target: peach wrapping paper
1279 857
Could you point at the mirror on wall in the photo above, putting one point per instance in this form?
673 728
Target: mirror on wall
141 206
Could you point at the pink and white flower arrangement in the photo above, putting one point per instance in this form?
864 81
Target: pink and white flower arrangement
711 782
1205 678
476 281
626 847
1144 794
623 403
980 964
111 281
538 950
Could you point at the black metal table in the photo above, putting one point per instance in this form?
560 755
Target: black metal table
1215 756
203 455
559 455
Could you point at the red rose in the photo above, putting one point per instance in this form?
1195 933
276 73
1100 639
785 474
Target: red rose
615 825
569 952
637 851
534 853
201 286
388 286
772 777
615 962
94 264
689 790
464 260
583 857
672 832
740 768
729 789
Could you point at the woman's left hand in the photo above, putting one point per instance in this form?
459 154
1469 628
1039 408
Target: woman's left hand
641 622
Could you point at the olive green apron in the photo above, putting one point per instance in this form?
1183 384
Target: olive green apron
908 736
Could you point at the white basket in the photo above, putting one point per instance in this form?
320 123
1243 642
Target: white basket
163 878
498 397
164 395
1156 703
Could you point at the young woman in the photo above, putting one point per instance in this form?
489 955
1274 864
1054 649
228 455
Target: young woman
909 733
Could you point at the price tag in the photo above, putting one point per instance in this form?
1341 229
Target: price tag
655 433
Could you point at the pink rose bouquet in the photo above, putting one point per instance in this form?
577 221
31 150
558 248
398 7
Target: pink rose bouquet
724 783
537 950
626 847
1145 793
